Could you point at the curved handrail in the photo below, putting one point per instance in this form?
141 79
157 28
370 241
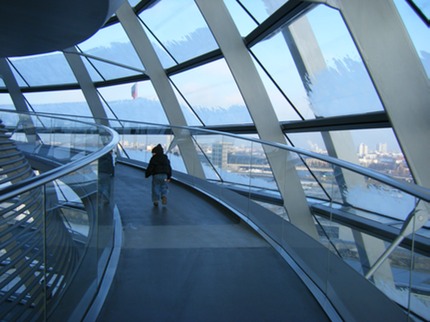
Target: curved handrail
412 189
41 254
154 128
34 182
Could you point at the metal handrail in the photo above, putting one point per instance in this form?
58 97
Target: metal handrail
37 181
410 188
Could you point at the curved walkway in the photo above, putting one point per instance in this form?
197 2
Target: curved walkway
192 260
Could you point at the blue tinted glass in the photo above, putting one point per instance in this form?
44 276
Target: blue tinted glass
242 19
418 31
316 64
115 52
71 102
134 102
262 9
213 94
180 27
46 69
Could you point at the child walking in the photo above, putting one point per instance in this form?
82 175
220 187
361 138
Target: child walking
161 171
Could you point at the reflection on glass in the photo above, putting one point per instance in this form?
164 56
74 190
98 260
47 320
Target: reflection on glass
111 44
71 102
318 180
163 55
274 55
39 70
382 154
366 193
316 64
180 27
49 228
213 94
402 276
239 162
190 116
139 147
282 107
134 102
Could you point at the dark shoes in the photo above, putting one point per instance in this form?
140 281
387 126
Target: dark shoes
163 201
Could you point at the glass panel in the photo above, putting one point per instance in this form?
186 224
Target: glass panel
134 102
262 9
104 168
95 75
274 55
423 6
237 162
162 54
18 78
70 102
46 69
181 28
417 280
341 85
139 147
317 179
283 109
243 21
205 152
22 254
51 231
6 102
213 94
69 222
360 147
418 31
190 116
112 44
365 193
326 76
133 3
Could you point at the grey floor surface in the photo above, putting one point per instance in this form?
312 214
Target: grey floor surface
192 261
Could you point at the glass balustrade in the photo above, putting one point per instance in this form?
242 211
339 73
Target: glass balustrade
56 216
377 224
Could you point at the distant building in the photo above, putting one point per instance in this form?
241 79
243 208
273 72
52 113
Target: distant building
382 147
220 153
363 149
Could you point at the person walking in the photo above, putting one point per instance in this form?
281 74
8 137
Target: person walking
161 171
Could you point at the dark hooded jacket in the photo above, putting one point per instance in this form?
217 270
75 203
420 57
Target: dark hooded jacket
159 163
